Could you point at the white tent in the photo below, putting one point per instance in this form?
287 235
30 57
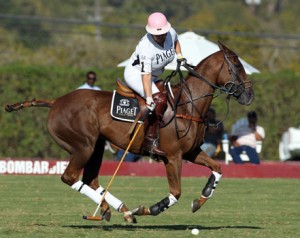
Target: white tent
195 48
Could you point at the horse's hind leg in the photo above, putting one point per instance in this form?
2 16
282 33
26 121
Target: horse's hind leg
90 177
71 177
79 159
212 182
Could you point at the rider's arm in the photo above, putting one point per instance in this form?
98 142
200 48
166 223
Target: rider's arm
178 49
146 78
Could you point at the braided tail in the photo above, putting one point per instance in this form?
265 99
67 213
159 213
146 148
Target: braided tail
31 103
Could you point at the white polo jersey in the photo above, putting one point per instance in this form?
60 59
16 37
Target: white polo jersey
86 86
150 57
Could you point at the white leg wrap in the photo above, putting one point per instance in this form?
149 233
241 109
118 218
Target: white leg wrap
217 178
172 199
110 199
86 190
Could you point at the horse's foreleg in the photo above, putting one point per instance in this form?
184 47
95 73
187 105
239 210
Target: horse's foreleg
174 178
212 182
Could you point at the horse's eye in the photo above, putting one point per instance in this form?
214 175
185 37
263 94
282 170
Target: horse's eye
237 64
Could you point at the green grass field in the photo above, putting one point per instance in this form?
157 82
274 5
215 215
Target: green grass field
42 206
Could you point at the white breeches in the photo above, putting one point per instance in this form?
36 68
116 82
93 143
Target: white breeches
133 79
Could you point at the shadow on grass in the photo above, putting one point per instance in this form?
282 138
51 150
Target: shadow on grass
158 227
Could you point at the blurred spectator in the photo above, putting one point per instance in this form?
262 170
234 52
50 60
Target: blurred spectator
129 156
91 78
289 145
243 138
118 153
213 134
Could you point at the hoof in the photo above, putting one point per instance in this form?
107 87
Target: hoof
129 217
198 203
139 211
195 205
106 214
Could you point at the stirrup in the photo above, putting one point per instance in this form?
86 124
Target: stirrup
152 146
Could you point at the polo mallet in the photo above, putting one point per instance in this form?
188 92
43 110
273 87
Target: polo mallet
100 218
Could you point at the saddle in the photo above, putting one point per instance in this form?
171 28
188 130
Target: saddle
127 105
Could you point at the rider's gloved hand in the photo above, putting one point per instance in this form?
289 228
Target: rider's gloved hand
181 59
150 104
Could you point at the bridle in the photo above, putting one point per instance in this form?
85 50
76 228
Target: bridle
230 87
234 87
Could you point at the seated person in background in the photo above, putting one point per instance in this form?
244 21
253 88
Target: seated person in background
244 137
90 81
213 134
129 157
118 153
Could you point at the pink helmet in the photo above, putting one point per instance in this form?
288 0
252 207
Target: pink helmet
157 24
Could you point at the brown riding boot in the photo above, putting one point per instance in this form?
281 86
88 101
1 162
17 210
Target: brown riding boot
151 140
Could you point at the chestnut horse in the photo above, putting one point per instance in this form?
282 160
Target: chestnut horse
80 121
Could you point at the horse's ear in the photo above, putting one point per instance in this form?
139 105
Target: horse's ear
224 48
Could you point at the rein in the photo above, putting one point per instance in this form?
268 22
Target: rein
230 88
222 89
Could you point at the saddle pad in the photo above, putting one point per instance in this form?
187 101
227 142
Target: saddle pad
124 108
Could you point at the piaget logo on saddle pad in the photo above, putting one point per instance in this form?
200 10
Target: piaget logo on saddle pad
127 111
124 103
123 108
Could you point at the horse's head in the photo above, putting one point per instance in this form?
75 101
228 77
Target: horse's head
235 81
